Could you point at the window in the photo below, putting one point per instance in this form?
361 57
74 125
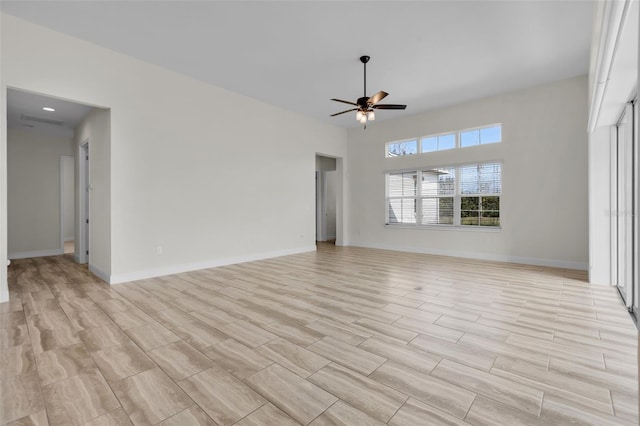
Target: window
481 136
480 187
467 196
401 190
438 143
451 140
437 191
395 149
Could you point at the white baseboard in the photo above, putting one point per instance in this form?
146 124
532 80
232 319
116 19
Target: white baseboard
4 295
35 253
71 238
566 264
99 273
76 258
177 269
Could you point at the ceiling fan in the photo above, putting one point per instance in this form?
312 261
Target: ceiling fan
366 105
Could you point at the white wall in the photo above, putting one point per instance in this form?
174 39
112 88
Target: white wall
96 129
68 197
190 170
33 191
544 155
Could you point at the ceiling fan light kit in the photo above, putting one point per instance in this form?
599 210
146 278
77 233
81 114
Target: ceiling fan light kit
366 105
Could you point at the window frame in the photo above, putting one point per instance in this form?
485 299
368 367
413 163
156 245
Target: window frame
456 141
420 195
386 147
415 196
457 200
456 133
470 129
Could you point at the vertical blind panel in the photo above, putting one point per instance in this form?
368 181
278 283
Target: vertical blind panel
481 179
438 182
402 184
402 210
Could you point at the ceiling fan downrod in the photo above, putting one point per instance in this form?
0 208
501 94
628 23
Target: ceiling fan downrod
364 59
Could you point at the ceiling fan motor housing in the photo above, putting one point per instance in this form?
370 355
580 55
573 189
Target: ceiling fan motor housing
363 102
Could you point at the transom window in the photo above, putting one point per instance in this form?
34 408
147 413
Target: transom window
450 140
482 136
438 142
451 196
395 149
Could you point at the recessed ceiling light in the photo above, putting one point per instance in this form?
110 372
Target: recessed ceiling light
48 109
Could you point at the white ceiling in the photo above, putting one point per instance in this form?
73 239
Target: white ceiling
24 111
299 54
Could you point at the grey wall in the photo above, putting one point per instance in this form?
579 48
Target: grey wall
33 192
325 163
68 197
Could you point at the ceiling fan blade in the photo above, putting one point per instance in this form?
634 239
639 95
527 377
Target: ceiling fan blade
345 102
389 106
378 97
343 112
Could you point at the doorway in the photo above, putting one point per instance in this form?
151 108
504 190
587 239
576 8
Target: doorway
41 187
326 199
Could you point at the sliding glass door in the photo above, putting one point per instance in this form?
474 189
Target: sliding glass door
635 211
624 204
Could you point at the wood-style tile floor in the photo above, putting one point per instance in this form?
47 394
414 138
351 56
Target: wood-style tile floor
344 336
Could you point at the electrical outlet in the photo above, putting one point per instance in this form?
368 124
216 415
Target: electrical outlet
158 250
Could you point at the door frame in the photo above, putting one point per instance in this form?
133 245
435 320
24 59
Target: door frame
321 200
84 187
